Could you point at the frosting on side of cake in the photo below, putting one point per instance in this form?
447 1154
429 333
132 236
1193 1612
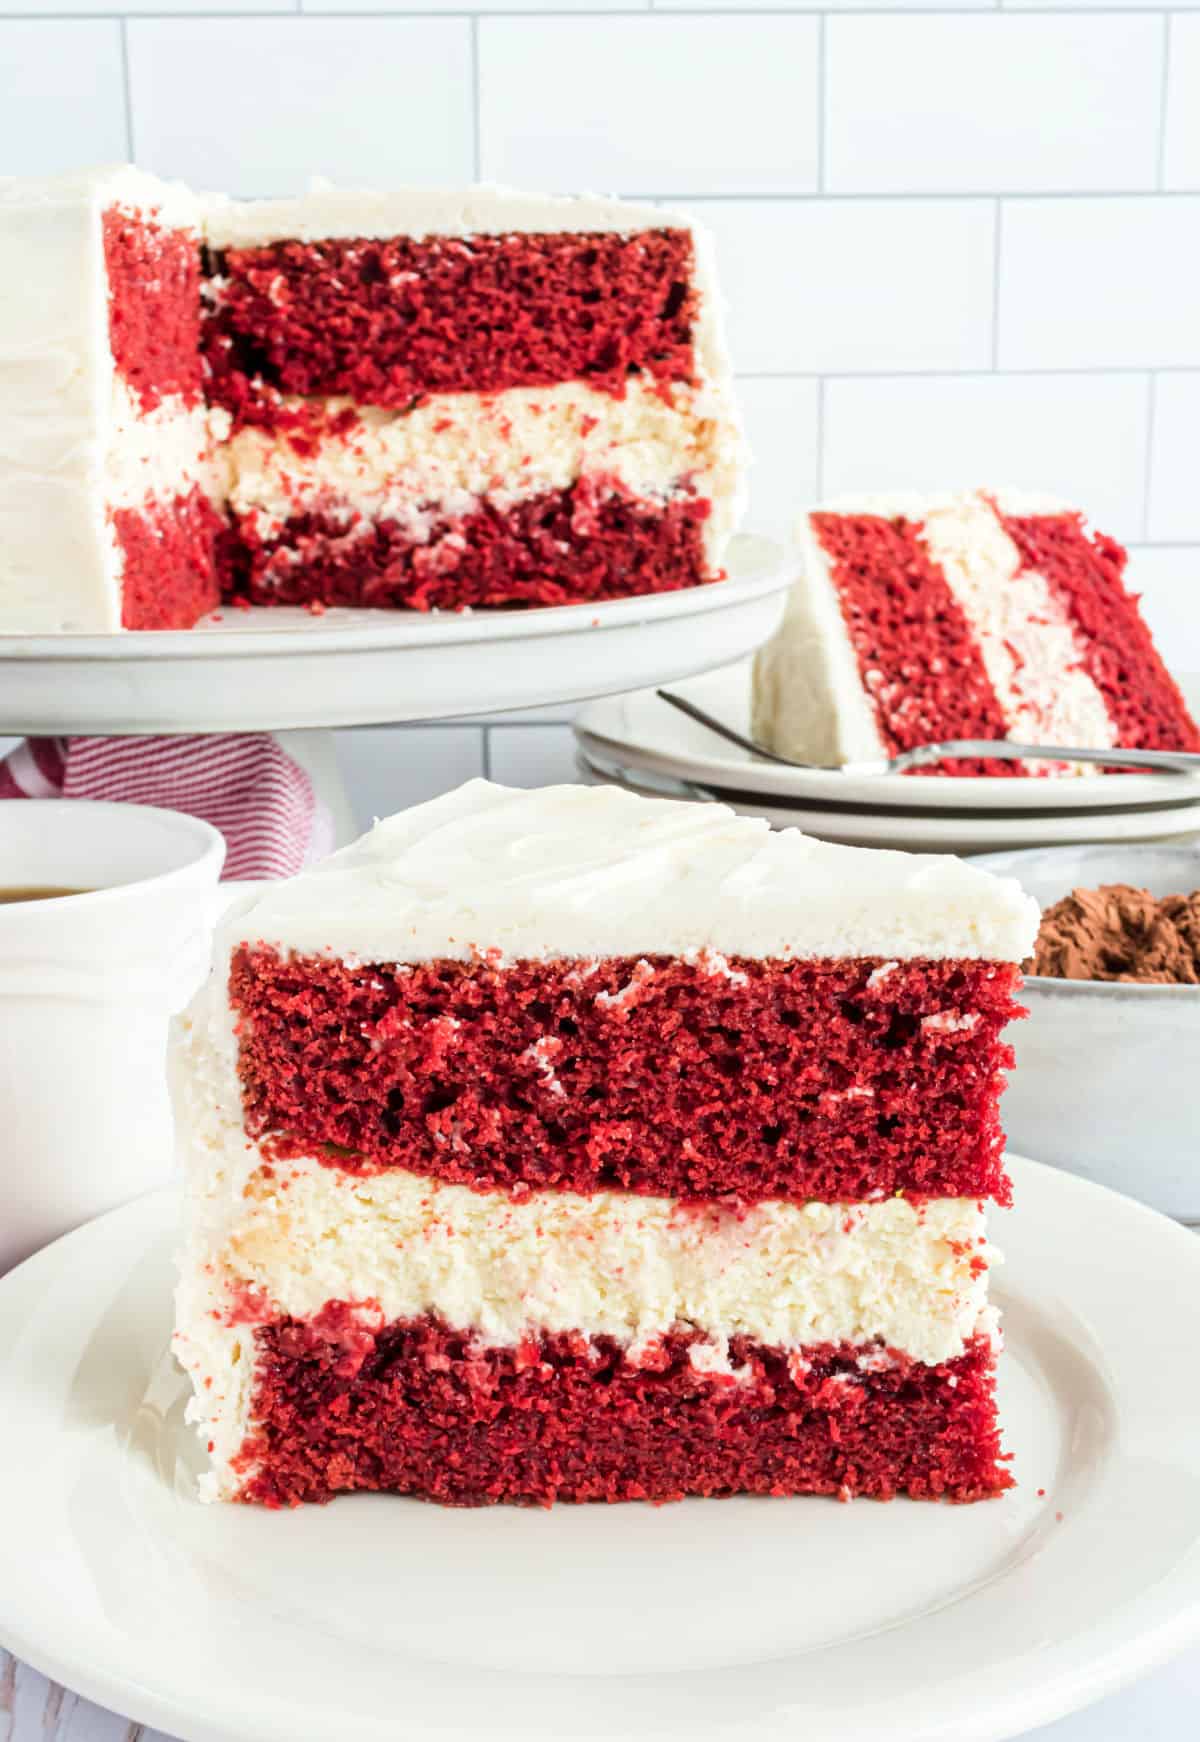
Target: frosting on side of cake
807 699
579 872
69 432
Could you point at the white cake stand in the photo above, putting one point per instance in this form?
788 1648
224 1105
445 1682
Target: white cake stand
280 669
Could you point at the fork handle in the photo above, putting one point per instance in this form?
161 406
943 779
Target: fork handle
1167 761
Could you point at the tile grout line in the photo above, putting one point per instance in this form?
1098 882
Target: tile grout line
485 751
1164 100
822 103
975 373
128 91
997 253
629 8
626 9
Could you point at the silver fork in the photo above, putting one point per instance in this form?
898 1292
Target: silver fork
952 749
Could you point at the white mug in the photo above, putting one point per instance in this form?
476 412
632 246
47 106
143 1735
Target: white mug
88 984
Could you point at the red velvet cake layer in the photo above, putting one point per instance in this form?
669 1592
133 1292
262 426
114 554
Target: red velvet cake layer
833 1080
593 541
418 1409
168 552
1086 577
917 657
153 307
386 321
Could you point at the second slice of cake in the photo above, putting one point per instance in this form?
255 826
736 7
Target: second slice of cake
982 614
567 1145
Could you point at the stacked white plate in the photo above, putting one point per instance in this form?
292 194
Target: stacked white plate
639 741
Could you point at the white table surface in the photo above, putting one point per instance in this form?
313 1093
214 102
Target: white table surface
1163 1708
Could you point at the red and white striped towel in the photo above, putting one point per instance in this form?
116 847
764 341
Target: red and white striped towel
245 785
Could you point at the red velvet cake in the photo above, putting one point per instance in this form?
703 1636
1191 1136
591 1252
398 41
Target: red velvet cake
564 1145
983 615
423 400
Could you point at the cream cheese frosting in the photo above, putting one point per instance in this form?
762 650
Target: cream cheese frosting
487 209
65 427
573 871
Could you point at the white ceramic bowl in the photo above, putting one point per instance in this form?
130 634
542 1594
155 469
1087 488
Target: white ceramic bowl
1107 1082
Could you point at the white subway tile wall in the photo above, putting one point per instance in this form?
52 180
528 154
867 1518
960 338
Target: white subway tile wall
1084 436
959 242
928 104
711 105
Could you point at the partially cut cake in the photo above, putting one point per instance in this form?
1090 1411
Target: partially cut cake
418 399
110 497
981 615
482 398
564 1145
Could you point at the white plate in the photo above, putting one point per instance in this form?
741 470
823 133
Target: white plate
914 831
376 1618
649 734
274 669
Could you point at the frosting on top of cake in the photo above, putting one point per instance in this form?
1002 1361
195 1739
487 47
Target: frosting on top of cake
482 210
590 871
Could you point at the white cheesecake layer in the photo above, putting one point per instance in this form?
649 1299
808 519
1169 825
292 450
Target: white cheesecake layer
1031 651
574 871
611 1264
451 453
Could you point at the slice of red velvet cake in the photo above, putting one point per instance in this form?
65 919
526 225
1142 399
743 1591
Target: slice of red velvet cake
982 615
566 1145
431 400
109 489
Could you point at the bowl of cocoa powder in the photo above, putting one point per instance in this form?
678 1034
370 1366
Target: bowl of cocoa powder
1107 1080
